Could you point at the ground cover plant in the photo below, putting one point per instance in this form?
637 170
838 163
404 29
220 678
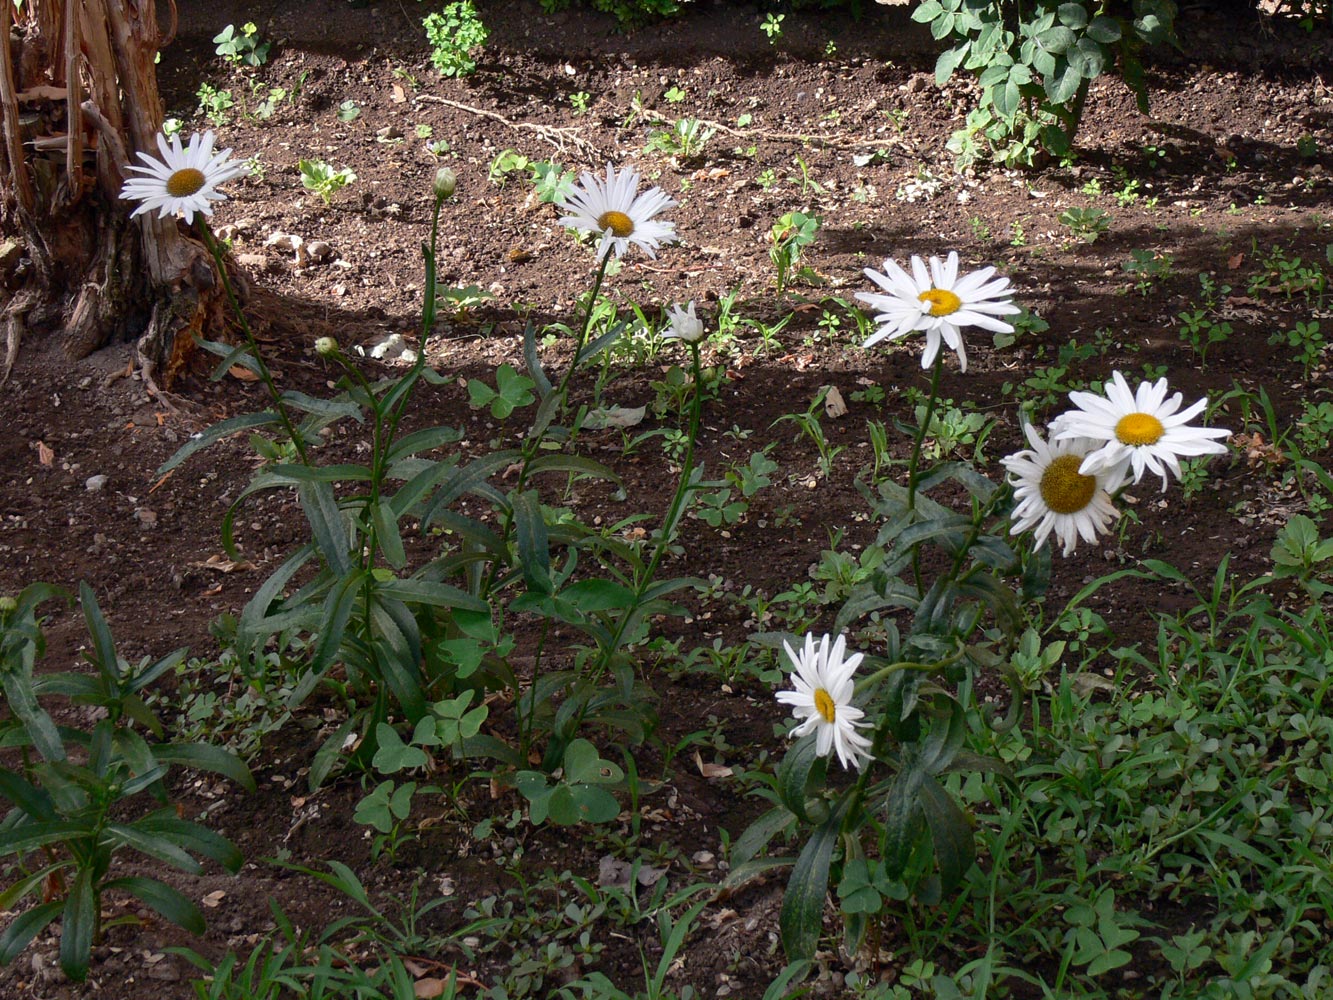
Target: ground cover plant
664 520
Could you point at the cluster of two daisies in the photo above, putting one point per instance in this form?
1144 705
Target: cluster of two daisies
1063 486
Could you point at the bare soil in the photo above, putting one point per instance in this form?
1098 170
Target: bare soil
1222 174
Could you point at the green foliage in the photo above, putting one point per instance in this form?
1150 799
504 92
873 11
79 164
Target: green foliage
686 139
324 179
512 392
627 12
791 234
1086 223
242 47
579 795
1034 62
454 34
550 178
214 104
69 809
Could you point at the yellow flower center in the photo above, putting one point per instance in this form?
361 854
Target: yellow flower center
942 301
184 183
1064 489
1139 428
619 223
825 706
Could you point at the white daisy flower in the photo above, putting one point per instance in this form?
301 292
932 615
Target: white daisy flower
184 181
823 699
685 325
1138 430
1053 493
615 209
938 302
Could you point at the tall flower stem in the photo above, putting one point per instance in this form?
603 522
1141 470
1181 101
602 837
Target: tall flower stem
915 460
587 324
674 512
261 367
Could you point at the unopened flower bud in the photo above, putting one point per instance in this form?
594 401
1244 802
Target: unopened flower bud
8 604
445 182
684 325
326 347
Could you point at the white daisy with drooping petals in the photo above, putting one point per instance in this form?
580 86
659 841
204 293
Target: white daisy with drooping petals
822 699
616 211
184 181
1140 430
939 303
1054 495
684 326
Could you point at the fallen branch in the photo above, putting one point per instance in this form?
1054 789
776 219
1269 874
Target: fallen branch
557 136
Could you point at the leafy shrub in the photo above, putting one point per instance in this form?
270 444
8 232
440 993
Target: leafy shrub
1034 63
453 33
68 821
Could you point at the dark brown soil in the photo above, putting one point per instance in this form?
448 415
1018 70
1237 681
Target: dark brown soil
1218 158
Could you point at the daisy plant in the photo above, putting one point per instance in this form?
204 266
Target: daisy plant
895 712
184 183
621 215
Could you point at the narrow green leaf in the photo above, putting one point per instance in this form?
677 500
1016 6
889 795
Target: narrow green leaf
192 837
337 612
415 590
104 647
328 527
758 834
78 923
207 757
802 917
533 545
27 836
39 726
153 845
337 408
533 360
172 905
293 474
801 768
216 433
26 926
386 534
950 831
426 439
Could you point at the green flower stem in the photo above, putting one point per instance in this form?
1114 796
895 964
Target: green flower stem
673 514
858 791
867 682
913 463
915 460
1003 492
264 373
563 388
532 444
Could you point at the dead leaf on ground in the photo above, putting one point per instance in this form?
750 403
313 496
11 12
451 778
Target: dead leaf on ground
398 95
214 898
242 373
44 454
710 770
834 405
221 564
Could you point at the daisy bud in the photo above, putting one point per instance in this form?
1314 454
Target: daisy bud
445 182
326 347
8 604
684 325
